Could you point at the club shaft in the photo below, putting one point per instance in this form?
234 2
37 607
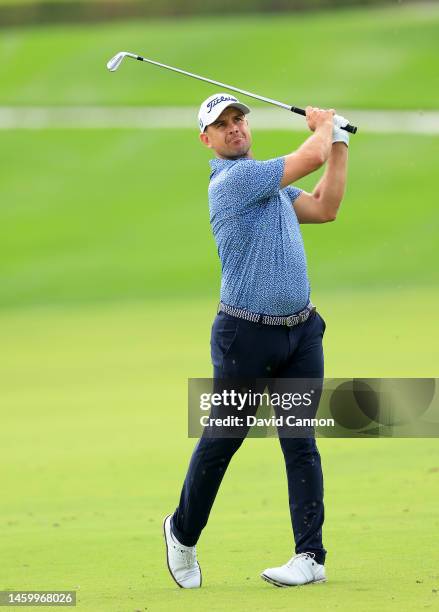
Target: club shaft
213 82
293 109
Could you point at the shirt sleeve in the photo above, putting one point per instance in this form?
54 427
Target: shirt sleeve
293 192
252 180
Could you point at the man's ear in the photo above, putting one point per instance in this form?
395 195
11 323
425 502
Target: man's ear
204 138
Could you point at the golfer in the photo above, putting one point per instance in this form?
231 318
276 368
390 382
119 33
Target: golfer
266 325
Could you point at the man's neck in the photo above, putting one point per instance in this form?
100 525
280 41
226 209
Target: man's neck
248 155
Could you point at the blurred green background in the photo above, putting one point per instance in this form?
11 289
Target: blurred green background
109 280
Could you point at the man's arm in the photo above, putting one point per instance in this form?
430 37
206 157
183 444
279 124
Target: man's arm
314 152
323 203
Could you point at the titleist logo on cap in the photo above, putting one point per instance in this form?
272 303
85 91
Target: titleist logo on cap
216 101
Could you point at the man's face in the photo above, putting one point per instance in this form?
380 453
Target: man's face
229 136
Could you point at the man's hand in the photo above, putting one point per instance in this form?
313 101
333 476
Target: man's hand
339 135
316 117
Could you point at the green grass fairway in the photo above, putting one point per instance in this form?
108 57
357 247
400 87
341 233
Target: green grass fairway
123 214
368 58
93 451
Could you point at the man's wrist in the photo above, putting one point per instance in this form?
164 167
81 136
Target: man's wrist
325 125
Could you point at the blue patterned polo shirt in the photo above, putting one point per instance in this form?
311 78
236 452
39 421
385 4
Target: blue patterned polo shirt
258 236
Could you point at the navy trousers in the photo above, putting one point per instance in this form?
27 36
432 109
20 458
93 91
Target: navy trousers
242 349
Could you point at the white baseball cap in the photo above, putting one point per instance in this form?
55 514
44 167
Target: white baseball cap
213 106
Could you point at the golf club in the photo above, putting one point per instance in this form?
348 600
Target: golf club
116 61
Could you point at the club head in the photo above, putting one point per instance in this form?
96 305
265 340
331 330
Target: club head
116 61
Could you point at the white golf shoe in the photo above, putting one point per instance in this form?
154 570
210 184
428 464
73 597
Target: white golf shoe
301 569
182 560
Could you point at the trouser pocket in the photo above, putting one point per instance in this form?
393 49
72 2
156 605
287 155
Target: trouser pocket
223 337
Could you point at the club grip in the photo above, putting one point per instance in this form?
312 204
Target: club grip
349 128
